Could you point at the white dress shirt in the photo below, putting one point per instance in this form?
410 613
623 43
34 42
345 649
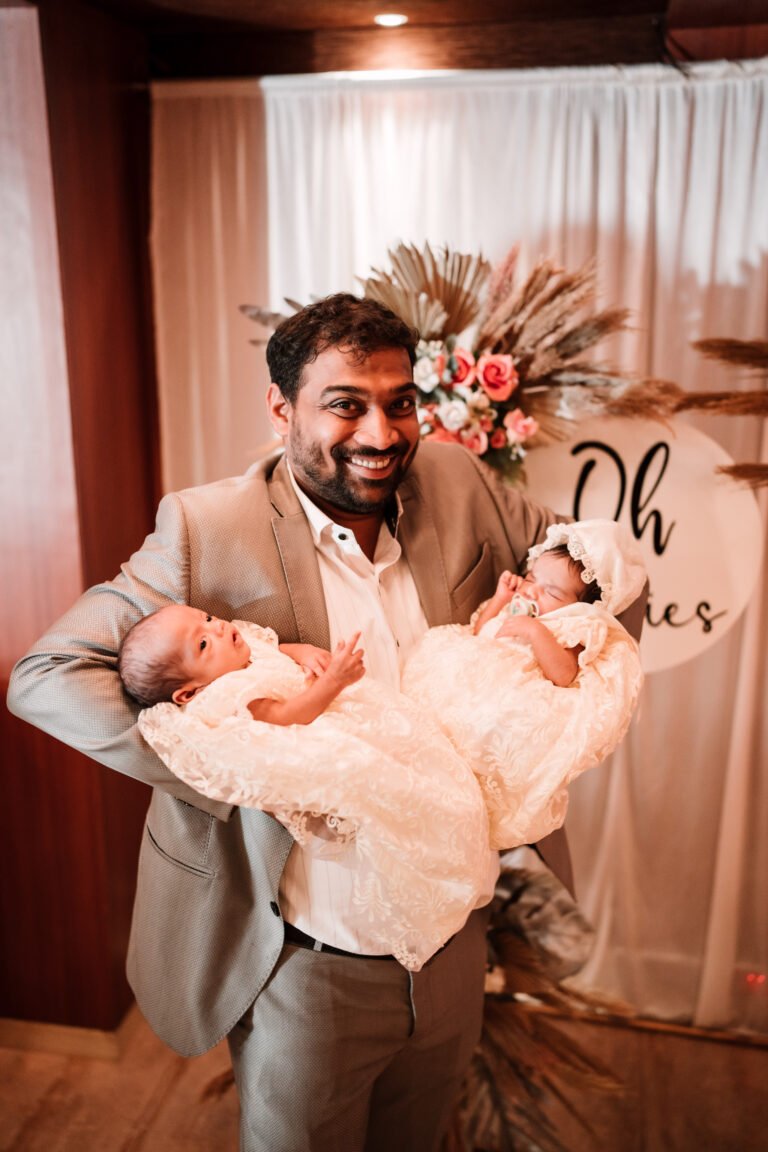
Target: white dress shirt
378 599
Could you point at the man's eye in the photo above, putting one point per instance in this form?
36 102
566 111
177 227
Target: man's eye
345 406
203 643
404 406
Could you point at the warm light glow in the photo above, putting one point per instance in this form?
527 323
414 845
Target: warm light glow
390 19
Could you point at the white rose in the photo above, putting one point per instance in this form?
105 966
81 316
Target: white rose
424 375
453 415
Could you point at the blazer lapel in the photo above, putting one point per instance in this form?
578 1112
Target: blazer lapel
421 546
299 559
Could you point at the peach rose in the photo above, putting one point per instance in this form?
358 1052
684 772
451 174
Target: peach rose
519 426
464 366
497 375
498 438
475 439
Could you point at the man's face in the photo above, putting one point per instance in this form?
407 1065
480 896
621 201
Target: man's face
353 430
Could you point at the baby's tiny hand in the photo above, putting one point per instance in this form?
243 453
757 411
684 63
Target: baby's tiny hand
509 583
346 664
313 660
517 627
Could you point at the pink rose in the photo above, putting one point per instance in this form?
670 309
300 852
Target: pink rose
519 426
498 438
475 439
497 375
464 369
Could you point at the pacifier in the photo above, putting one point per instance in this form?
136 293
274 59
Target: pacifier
519 606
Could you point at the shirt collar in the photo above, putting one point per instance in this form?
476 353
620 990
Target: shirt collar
318 520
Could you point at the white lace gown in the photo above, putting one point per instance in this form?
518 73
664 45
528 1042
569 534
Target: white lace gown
525 738
380 771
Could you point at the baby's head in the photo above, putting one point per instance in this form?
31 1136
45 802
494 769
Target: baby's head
173 653
587 561
555 579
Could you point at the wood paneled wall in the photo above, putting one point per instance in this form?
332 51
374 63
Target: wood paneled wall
70 828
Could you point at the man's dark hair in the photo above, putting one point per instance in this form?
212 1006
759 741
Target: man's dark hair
591 592
149 672
355 325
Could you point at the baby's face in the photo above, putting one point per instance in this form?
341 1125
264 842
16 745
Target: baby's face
208 647
552 582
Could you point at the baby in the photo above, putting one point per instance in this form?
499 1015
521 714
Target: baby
302 734
542 683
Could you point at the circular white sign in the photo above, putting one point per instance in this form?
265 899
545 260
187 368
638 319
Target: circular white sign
701 534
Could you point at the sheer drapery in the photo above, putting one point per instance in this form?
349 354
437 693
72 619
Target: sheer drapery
661 176
209 256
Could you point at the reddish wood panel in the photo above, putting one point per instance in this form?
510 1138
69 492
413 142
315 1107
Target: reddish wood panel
70 828
98 112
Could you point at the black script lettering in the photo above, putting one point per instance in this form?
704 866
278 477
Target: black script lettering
639 499
707 621
669 616
639 504
590 466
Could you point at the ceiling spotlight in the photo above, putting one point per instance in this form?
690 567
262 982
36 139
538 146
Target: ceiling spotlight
390 19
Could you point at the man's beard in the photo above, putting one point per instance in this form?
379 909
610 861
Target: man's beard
339 488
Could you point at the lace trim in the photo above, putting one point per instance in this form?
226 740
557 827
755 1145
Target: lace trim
578 551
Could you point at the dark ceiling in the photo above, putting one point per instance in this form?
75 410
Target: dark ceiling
317 15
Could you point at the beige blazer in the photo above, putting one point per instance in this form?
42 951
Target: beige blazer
207 929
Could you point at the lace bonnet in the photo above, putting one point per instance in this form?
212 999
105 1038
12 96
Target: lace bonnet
609 555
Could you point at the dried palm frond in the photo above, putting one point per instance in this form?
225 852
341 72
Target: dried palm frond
655 399
264 316
416 309
733 403
745 353
754 476
501 281
646 400
453 279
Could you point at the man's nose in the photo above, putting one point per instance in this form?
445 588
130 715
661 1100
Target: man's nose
376 429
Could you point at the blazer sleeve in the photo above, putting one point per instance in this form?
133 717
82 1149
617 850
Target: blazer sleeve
68 684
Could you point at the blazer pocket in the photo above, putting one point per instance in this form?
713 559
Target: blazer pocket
183 865
476 586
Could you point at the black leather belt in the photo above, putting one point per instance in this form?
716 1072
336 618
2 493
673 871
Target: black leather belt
295 936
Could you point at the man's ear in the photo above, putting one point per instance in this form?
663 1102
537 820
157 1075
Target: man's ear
279 410
184 694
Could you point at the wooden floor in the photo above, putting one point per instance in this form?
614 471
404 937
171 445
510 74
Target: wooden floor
683 1094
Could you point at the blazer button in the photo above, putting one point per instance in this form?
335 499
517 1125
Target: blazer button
274 907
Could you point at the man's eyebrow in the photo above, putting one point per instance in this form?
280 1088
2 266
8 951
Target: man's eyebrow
362 393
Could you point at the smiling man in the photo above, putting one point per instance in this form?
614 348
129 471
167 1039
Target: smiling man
237 931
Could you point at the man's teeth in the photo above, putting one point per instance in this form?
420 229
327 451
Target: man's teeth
375 465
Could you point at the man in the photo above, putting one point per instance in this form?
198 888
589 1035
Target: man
237 932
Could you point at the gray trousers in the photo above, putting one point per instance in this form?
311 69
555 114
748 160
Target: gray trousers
341 1054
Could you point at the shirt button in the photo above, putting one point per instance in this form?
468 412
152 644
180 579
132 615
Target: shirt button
274 907
343 536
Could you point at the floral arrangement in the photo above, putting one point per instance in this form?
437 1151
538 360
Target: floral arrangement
522 374
504 363
472 401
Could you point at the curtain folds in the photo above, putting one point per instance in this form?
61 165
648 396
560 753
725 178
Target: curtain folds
661 176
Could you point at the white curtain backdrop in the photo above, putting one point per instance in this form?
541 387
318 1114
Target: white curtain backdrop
663 177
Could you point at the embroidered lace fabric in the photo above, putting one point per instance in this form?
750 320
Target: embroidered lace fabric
524 738
373 770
